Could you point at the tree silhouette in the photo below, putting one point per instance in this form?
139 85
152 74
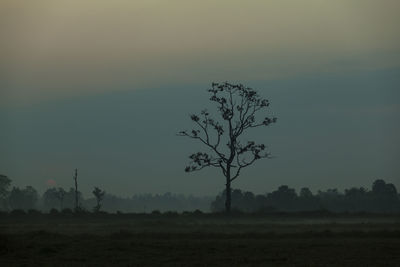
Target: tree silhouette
99 194
23 198
50 198
75 177
60 194
237 106
5 183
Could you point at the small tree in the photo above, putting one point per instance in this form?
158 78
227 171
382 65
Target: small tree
99 194
237 106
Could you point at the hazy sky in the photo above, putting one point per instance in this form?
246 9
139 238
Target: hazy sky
105 85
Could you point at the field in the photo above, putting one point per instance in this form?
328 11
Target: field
199 240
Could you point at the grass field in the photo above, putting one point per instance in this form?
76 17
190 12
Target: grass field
199 241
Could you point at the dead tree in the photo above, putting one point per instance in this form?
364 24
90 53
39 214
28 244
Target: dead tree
76 190
237 107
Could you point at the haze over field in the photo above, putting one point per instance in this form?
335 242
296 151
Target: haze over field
104 86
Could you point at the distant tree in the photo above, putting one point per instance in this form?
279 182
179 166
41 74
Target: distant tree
249 203
385 196
305 192
284 192
24 199
331 199
50 198
5 183
380 187
307 201
75 177
219 203
383 199
60 195
284 198
355 192
357 199
69 200
53 197
262 203
237 106
99 195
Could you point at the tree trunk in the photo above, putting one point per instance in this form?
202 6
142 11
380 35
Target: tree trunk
228 195
76 190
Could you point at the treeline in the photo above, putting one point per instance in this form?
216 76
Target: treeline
382 198
28 198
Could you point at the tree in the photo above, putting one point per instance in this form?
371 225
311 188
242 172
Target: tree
50 198
385 196
237 106
75 177
69 199
305 192
380 187
60 194
99 194
5 183
306 200
284 198
23 198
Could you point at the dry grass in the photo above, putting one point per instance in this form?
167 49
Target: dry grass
197 242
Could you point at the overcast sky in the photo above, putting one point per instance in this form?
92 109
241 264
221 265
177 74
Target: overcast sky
104 86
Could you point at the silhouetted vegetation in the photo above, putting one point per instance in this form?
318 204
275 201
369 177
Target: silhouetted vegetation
278 228
58 198
24 199
65 201
99 195
237 106
77 205
382 198
5 183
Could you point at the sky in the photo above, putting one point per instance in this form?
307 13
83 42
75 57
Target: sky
104 86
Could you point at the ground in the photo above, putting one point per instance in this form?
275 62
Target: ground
200 240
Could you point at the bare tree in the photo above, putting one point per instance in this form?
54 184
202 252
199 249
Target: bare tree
99 194
75 177
237 106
